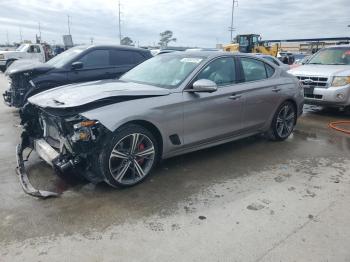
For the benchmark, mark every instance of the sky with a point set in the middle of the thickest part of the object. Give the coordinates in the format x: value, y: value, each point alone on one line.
x: 201, y: 23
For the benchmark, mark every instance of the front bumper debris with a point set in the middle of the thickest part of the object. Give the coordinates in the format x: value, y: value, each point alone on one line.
x: 7, y: 95
x: 23, y: 176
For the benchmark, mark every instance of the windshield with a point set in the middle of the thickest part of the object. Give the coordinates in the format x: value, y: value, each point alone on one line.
x: 21, y: 48
x: 167, y: 71
x: 332, y: 56
x: 63, y: 58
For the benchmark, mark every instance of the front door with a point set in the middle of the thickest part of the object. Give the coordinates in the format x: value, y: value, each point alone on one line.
x: 214, y: 116
x: 96, y: 66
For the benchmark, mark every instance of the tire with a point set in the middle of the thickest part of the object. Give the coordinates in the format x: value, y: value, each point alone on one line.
x: 8, y: 63
x: 124, y: 163
x: 283, y: 122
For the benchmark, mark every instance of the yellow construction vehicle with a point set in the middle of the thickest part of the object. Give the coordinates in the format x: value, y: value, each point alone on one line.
x: 251, y: 43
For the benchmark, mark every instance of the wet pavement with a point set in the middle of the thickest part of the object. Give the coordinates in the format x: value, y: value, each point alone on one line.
x: 249, y: 200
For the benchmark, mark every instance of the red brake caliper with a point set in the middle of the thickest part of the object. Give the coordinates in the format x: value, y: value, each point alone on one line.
x: 141, y: 148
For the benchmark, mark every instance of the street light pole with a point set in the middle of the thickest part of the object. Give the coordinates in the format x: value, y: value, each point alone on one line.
x: 119, y: 25
x: 68, y: 24
x: 231, y: 28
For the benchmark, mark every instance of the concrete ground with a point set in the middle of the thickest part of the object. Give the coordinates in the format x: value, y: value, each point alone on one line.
x: 250, y: 200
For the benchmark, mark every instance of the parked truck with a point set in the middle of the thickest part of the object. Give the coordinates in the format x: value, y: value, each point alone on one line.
x: 34, y: 52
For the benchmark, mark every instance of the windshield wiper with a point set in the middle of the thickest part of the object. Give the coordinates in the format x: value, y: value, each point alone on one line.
x: 315, y: 64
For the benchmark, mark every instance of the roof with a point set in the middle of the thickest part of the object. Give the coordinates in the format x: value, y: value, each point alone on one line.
x: 208, y: 54
x: 120, y: 47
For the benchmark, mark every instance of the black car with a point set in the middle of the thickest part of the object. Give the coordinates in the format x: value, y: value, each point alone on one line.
x: 78, y: 64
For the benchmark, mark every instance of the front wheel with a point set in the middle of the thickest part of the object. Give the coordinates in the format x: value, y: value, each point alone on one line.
x: 8, y: 64
x: 129, y: 157
x: 283, y: 122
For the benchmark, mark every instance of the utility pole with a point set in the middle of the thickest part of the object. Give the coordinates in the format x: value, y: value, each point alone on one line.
x: 231, y: 28
x: 20, y: 35
x: 120, y: 31
x: 39, y: 33
x: 7, y: 37
x: 68, y: 22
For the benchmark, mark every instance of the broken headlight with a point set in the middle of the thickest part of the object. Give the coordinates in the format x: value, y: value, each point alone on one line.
x: 84, y: 130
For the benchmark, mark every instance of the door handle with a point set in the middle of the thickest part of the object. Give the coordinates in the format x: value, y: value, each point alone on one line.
x: 276, y: 89
x: 234, y: 97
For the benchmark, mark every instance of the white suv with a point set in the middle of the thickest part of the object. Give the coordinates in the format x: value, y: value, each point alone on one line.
x: 326, y: 77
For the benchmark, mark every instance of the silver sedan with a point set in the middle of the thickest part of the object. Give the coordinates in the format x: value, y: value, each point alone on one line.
x: 117, y: 130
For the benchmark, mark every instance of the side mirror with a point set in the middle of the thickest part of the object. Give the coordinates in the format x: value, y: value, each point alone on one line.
x: 204, y: 86
x: 77, y: 65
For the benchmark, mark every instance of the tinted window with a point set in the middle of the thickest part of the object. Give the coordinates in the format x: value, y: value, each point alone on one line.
x: 120, y: 57
x: 221, y: 71
x: 96, y: 58
x: 253, y: 69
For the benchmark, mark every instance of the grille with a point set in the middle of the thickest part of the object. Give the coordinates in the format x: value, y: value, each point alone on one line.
x: 313, y: 81
x: 19, y: 81
x: 313, y: 96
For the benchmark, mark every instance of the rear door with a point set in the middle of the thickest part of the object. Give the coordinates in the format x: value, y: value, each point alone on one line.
x: 261, y: 91
x: 217, y: 115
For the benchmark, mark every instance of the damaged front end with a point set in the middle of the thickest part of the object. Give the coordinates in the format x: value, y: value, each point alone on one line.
x: 62, y: 138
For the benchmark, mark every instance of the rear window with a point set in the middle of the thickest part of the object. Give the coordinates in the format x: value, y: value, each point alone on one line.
x: 121, y: 57
x: 272, y: 60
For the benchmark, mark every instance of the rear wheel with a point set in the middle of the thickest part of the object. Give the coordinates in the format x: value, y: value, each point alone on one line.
x: 130, y: 156
x: 283, y: 122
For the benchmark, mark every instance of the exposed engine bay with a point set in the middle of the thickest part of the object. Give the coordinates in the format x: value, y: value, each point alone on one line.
x: 65, y: 140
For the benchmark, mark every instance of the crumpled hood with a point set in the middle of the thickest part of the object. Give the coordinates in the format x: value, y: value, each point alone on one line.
x: 321, y: 70
x: 75, y: 95
x: 24, y: 65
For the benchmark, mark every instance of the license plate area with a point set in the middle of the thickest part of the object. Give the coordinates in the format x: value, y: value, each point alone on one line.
x: 309, y: 90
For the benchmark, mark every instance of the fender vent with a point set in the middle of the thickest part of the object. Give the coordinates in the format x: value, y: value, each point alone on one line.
x: 175, y: 140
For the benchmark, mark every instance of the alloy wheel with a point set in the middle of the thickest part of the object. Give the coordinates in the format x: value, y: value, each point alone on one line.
x: 285, y: 121
x: 132, y: 158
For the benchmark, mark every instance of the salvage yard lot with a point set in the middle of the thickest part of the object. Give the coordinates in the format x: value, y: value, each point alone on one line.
x: 250, y: 200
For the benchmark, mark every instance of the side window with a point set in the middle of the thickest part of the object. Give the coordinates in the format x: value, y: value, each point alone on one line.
x: 120, y: 58
x: 269, y: 70
x: 31, y: 49
x: 96, y: 58
x: 253, y: 69
x: 221, y: 71
x: 37, y: 49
